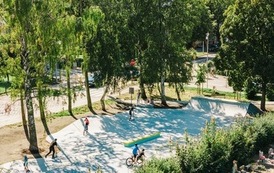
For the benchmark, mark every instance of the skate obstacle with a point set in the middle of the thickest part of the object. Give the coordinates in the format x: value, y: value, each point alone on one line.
x: 222, y: 107
x: 142, y: 139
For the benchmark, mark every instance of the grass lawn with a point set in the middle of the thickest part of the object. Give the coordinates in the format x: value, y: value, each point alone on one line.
x: 200, y: 54
x: 185, y: 95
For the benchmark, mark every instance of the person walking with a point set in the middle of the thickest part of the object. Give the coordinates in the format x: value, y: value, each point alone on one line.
x: 26, y: 163
x: 86, y: 123
x: 235, y: 167
x: 138, y: 96
x: 52, y: 148
x: 131, y: 113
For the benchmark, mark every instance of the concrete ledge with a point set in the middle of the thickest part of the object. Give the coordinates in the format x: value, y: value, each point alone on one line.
x: 142, y: 139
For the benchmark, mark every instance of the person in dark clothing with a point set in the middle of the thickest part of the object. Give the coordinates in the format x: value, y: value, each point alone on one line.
x: 52, y: 149
x: 138, y: 96
x: 131, y: 113
x: 140, y: 155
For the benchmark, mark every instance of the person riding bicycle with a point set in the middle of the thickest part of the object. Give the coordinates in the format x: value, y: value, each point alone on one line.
x: 140, y: 155
x: 135, y: 151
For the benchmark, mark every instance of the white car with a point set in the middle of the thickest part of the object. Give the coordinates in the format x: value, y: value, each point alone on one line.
x: 91, y: 83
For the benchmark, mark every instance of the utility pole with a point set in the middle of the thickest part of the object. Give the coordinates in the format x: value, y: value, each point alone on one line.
x: 207, y: 38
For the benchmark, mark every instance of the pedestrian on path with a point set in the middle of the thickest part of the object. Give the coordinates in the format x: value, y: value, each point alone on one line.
x: 235, y: 167
x: 86, y: 123
x: 26, y: 163
x: 138, y: 96
x: 52, y: 148
x: 131, y: 114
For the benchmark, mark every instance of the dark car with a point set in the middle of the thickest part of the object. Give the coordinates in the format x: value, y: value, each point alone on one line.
x: 213, y: 48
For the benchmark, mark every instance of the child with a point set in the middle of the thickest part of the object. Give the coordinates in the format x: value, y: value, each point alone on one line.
x: 86, y: 123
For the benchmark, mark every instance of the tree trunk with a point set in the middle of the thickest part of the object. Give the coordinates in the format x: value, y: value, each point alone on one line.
x: 102, y: 100
x: 24, y: 120
x: 177, y: 92
x: 26, y: 63
x: 162, y: 89
x: 263, y: 96
x: 31, y: 121
x: 141, y: 84
x: 42, y: 109
x: 69, y: 91
x: 88, y: 92
x: 143, y: 91
x: 8, y: 78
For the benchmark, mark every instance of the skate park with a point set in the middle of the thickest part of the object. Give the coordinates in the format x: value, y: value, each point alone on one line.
x: 104, y: 146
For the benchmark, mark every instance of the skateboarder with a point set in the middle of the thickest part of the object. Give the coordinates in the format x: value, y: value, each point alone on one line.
x: 131, y: 114
x: 52, y: 148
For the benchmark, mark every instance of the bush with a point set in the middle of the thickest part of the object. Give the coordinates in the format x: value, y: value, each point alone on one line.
x: 216, y: 148
x: 251, y: 88
x: 263, y: 131
x: 170, y: 165
x: 270, y: 92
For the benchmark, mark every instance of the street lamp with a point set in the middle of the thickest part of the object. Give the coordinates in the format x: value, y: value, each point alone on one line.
x: 207, y: 36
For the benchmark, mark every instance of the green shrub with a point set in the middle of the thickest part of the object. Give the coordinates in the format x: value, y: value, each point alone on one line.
x: 263, y: 131
x: 270, y: 92
x: 241, y: 144
x: 216, y: 148
x: 170, y: 165
x: 209, y: 154
x: 251, y: 88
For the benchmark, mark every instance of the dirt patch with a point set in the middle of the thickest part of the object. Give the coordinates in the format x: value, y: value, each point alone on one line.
x: 14, y: 143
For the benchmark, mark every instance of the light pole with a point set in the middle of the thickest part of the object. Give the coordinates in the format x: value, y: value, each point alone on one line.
x: 207, y: 36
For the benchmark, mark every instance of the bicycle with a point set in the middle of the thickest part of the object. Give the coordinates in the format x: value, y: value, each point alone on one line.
x: 130, y: 161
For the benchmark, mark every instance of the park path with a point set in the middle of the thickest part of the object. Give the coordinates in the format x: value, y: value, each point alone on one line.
x: 10, y: 111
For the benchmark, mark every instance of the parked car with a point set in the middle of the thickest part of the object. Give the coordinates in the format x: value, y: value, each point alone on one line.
x: 91, y: 82
x: 213, y: 48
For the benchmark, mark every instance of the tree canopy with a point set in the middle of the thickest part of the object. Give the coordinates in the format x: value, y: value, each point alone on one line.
x: 247, y: 36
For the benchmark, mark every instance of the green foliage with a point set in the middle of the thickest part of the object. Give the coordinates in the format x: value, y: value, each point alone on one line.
x: 251, y: 88
x: 210, y: 154
x: 160, y: 166
x: 216, y: 148
x: 216, y: 8
x: 270, y: 92
x: 4, y: 86
x: 247, y: 43
x: 263, y: 131
x: 201, y: 74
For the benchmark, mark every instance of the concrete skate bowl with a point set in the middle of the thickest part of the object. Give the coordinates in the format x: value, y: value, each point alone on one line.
x: 223, y: 107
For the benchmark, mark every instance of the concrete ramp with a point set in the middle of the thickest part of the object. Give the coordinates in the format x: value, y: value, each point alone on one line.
x: 223, y: 107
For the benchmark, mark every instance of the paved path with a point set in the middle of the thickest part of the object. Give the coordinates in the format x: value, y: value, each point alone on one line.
x: 10, y: 111
x: 59, y: 103
x: 54, y: 104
